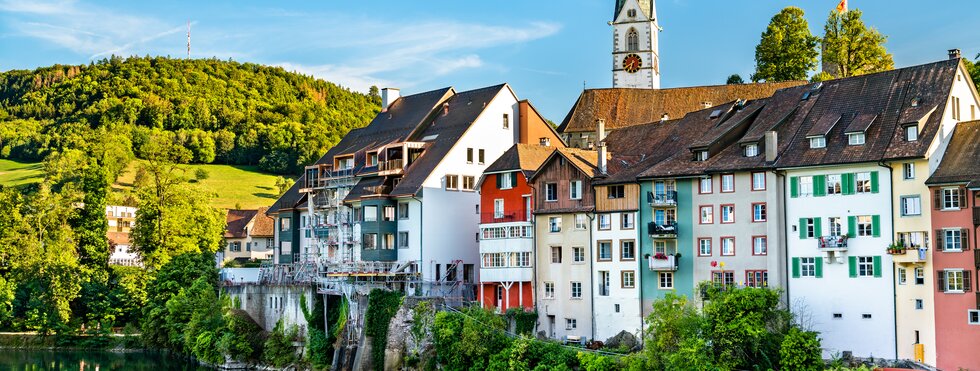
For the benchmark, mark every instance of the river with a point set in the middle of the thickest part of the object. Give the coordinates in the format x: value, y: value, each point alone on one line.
x: 16, y: 360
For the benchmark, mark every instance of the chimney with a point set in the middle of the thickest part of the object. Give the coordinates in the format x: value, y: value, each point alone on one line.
x: 706, y: 104
x: 954, y: 53
x: 545, y: 141
x: 664, y: 117
x: 600, y: 141
x: 389, y: 96
x: 445, y: 108
x: 771, y: 146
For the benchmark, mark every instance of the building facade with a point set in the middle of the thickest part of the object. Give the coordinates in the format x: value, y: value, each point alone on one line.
x: 636, y: 56
x: 249, y: 235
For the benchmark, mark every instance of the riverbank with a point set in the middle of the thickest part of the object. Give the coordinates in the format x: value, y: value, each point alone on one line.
x: 32, y: 340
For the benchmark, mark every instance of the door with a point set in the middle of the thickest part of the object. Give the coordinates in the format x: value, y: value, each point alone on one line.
x: 500, y: 297
x: 551, y: 327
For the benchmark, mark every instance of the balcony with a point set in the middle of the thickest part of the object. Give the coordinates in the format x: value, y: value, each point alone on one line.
x: 663, y: 263
x: 505, y: 217
x: 666, y: 230
x: 321, y: 231
x: 391, y: 167
x: 668, y: 198
x: 378, y: 189
x: 832, y: 243
x: 909, y: 255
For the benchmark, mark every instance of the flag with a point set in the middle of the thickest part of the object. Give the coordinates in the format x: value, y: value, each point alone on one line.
x: 842, y: 7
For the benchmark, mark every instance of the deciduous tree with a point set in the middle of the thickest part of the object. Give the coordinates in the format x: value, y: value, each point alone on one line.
x: 787, y: 50
x: 850, y: 48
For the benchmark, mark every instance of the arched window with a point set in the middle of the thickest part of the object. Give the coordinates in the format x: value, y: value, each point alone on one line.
x: 632, y: 40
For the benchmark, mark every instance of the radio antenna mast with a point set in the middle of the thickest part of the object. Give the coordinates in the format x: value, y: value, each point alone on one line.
x: 188, y: 39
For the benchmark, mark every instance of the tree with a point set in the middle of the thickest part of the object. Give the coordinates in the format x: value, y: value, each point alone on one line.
x: 973, y: 67
x: 800, y: 350
x: 787, y: 50
x: 734, y: 79
x: 283, y: 184
x: 850, y: 48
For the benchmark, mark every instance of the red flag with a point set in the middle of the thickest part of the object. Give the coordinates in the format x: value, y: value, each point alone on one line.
x: 842, y: 7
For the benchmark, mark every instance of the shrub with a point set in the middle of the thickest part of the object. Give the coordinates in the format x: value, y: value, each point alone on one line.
x: 382, y: 305
x: 800, y: 350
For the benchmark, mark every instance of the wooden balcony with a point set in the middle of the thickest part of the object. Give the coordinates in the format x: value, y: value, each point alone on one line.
x: 391, y: 167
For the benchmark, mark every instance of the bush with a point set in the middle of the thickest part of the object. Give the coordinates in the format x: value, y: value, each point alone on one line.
x: 800, y: 351
x: 201, y: 174
x: 279, y: 351
x: 382, y: 305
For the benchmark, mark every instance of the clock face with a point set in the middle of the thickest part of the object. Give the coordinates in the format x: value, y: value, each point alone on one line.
x: 632, y: 63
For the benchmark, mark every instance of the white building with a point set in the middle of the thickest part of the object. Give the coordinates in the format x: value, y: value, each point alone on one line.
x: 636, y: 57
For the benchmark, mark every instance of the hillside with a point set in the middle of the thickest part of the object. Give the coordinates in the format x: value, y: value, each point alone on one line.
x: 233, y: 185
x: 14, y: 173
x: 225, y: 112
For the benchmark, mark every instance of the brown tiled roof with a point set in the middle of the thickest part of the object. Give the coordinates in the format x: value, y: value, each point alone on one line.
x: 636, y: 148
x: 262, y: 224
x: 961, y: 162
x: 622, y: 107
x: 235, y: 222
x: 584, y: 160
x: 526, y: 157
x: 680, y: 163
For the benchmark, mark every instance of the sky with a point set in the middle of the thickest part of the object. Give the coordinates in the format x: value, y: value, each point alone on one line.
x: 546, y: 50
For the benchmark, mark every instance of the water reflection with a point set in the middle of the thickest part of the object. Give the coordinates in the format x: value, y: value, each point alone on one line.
x: 31, y: 360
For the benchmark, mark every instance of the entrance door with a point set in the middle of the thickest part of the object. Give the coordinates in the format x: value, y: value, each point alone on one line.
x: 500, y: 298
x: 551, y: 327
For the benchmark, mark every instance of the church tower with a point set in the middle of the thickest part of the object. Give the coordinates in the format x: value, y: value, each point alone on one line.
x: 636, y: 59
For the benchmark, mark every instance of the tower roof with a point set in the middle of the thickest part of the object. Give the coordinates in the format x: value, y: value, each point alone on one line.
x: 647, y: 6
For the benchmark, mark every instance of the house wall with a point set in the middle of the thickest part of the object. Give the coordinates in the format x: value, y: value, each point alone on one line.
x: 562, y: 172
x: 553, y: 311
x: 683, y: 278
x: 620, y: 309
x: 533, y: 127
x: 816, y: 299
x: 268, y: 304
x: 380, y: 227
x: 518, y: 295
x: 514, y: 207
x: 629, y: 202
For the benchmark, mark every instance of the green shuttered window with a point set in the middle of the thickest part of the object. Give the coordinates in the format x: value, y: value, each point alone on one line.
x: 818, y: 267
x: 874, y: 182
x: 847, y: 183
x: 819, y: 185
x: 852, y: 266
x: 852, y: 226
x: 876, y: 226
x: 877, y: 265
x: 794, y: 187
x: 796, y: 267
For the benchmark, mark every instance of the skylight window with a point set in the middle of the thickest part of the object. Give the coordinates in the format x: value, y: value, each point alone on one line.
x: 430, y: 137
x: 715, y: 114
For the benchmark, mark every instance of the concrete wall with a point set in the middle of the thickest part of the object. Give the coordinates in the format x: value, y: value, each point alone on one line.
x: 268, y: 304
x: 619, y: 310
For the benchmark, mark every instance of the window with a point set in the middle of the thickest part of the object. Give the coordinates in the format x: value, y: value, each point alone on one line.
x: 973, y: 317
x: 920, y: 276
x: 756, y: 278
x: 551, y: 192
x: 818, y: 142
x: 604, y: 251
x: 403, y: 240
x: 576, y: 290
x: 806, y: 185
x: 372, y: 158
x: 728, y: 246
x: 549, y: 290
x: 707, y: 214
x: 834, y: 186
x: 628, y: 221
x: 701, y: 156
x: 388, y: 241
x: 758, y: 181
x: 575, y: 190
x: 605, y: 222
x: 403, y: 210
x: 632, y: 40
x: 469, y: 182
x: 616, y: 191
x: 911, y: 205
x: 452, y: 182
x: 578, y: 254
x: 704, y: 247
x: 902, y: 276
x: 666, y: 280
x: 955, y: 101
x: 866, y: 316
x: 918, y: 304
x: 506, y: 121
x: 556, y: 254
x: 480, y: 156
x: 751, y: 150
x: 571, y: 324
x: 864, y: 225
x: 952, y: 239
x: 862, y: 182
x: 953, y: 280
x: 469, y: 155
x: 554, y: 224
x: 603, y: 283
x: 838, y: 315
x: 628, y: 279
x: 706, y: 186
x: 760, y: 245
x: 809, y: 228
x: 284, y: 224
x: 855, y: 139
x: 728, y: 213
x: 727, y: 183
x: 369, y: 241
x: 505, y: 180
x: 908, y: 170
x: 389, y: 213
x: 911, y: 133
x: 835, y: 226
x: 370, y: 213
x: 808, y: 267
x: 627, y: 250
x: 498, y: 208
x: 950, y: 198
x: 581, y: 222
x: 865, y: 266
x: 759, y: 212
x: 724, y: 278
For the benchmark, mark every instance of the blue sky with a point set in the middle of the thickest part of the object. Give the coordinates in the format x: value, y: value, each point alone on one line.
x: 545, y: 49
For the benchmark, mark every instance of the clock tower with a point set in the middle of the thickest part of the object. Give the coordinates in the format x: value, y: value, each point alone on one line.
x: 636, y: 60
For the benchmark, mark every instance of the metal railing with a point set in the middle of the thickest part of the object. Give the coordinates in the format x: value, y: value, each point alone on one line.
x: 666, y: 229
x: 832, y: 242
x: 505, y: 217
x: 660, y: 199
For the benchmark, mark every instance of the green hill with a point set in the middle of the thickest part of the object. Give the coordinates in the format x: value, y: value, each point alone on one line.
x: 13, y: 173
x: 225, y: 112
x: 233, y: 185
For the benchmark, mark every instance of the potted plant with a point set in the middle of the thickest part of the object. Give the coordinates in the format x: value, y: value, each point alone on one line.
x: 894, y: 249
x: 660, y: 256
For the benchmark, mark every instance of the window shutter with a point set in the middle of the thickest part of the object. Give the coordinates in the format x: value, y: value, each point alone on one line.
x: 649, y: 197
x: 513, y: 179
x: 874, y: 182
x: 817, y: 226
x: 852, y: 226
x: 803, y: 228
x: 937, y: 199
x: 940, y: 238
x: 877, y: 264
x: 876, y: 225
x: 794, y: 187
x: 962, y: 197
x: 847, y: 183
x: 818, y: 267
x: 965, y: 239
x: 852, y: 266
x: 796, y: 267
x: 966, y: 281
x: 819, y: 185
x: 499, y: 182
x: 941, y: 281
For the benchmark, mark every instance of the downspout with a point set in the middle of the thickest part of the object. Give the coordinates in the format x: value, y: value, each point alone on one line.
x: 534, y: 252
x: 639, y: 256
x: 891, y: 200
x: 591, y: 268
x: 785, y: 235
x: 421, y: 245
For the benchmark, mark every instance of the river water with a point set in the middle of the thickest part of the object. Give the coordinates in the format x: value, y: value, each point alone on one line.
x: 31, y: 360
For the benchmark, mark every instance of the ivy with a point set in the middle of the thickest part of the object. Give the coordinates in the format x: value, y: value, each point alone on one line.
x: 382, y: 306
x: 524, y: 320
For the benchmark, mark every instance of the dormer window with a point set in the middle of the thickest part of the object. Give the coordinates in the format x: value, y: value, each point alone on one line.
x: 911, y: 133
x: 818, y: 142
x: 855, y: 139
x: 372, y: 159
x: 751, y: 150
x: 915, y: 102
x: 700, y: 155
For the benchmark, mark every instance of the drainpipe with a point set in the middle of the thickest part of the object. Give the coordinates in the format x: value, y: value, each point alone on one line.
x: 639, y: 255
x: 785, y: 235
x: 421, y: 245
x: 534, y: 253
x: 591, y: 267
x: 891, y: 200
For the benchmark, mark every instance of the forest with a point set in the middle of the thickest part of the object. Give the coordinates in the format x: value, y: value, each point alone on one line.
x: 223, y: 112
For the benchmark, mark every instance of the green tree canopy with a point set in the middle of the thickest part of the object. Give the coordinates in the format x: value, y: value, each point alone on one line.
x: 850, y: 48
x: 787, y: 50
x: 734, y: 79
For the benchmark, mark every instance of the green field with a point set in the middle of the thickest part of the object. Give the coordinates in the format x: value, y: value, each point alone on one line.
x: 13, y: 173
x: 233, y: 184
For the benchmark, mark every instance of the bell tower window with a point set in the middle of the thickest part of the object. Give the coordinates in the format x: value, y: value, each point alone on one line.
x: 632, y: 40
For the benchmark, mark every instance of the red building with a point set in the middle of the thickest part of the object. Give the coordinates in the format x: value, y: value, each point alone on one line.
x: 956, y: 199
x: 506, y: 233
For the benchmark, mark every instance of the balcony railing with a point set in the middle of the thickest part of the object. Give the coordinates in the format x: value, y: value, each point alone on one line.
x: 505, y: 217
x: 663, y: 263
x: 378, y: 189
x: 665, y: 230
x: 832, y: 243
x: 391, y: 167
x: 662, y: 199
